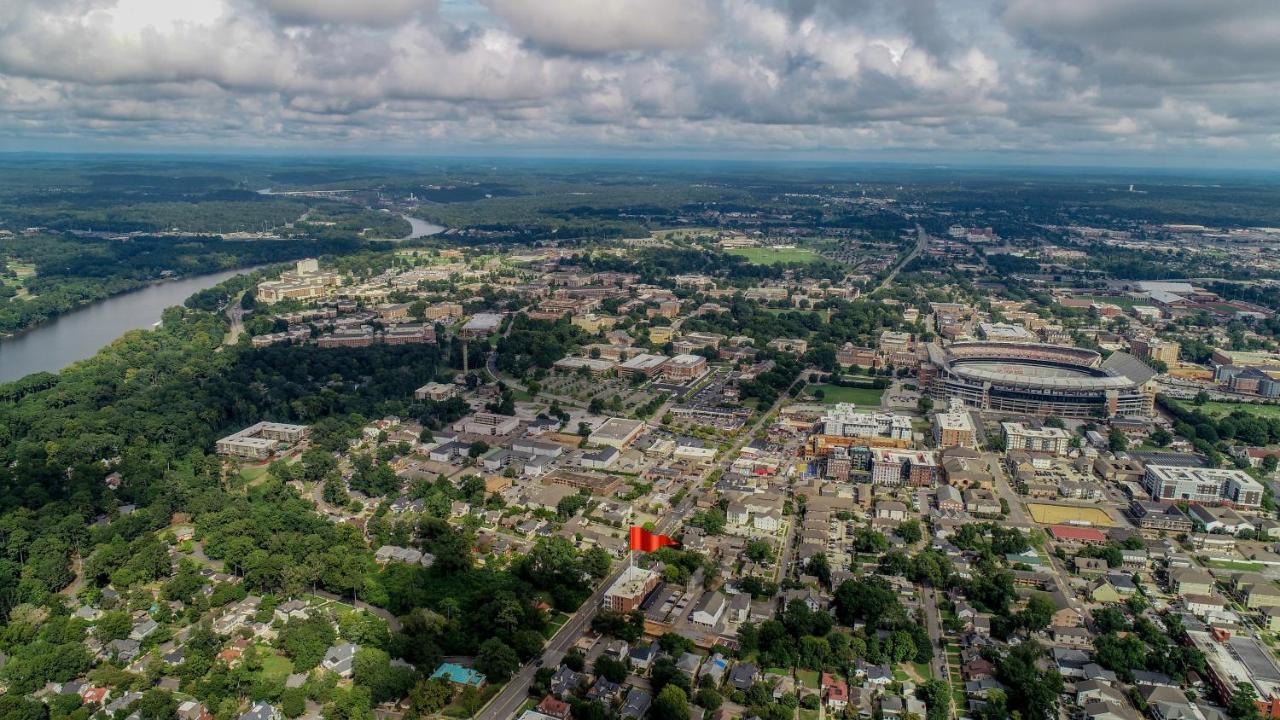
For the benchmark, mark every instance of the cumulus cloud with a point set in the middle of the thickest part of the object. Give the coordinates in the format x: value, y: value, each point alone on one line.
x: 375, y: 13
x: 595, y: 26
x: 1096, y: 76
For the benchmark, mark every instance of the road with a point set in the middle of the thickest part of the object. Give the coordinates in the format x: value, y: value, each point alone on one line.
x: 508, y: 700
x: 934, y: 626
x: 922, y: 241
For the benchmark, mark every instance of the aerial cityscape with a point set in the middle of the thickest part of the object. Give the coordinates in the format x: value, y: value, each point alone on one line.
x: 720, y: 360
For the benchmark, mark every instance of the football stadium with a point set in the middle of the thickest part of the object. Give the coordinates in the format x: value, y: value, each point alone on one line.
x: 1035, y: 379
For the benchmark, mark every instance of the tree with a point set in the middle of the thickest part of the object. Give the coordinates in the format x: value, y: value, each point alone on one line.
x: 497, y: 660
x: 611, y: 669
x: 293, y: 702
x: 1161, y: 437
x: 1244, y: 703
x: 759, y: 551
x: 113, y: 625
x: 910, y: 532
x: 672, y: 703
x: 709, y: 699
x: 430, y: 696
x: 1117, y: 440
x: 1032, y: 691
x: 158, y: 705
x: 924, y: 404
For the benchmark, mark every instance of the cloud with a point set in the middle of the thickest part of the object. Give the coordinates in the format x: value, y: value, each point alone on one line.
x: 597, y: 26
x: 373, y: 13
x: 1136, y: 77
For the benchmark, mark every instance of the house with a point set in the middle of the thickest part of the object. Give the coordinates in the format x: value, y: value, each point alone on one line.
x: 642, y: 656
x: 565, y: 681
x: 261, y: 711
x: 1194, y: 581
x: 688, y: 664
x: 636, y: 705
x: 191, y: 710
x: 340, y: 659
x: 605, y: 690
x: 715, y: 668
x: 709, y: 609
x: 551, y: 706
x: 835, y: 693
x: 143, y: 628
x: 743, y: 675
x: 291, y: 610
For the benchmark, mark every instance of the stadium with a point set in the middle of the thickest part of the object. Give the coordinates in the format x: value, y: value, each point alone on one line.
x: 1034, y: 379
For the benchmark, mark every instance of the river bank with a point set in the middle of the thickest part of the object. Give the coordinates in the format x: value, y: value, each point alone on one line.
x: 80, y: 333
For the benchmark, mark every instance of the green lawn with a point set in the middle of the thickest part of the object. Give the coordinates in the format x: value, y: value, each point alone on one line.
x: 1218, y: 409
x: 1236, y: 565
x: 923, y: 670
x: 252, y: 474
x: 775, y: 256
x: 808, y: 714
x: 276, y: 666
x: 863, y: 397
x: 808, y: 678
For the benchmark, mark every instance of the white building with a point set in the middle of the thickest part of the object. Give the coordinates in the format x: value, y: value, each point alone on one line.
x: 844, y: 420
x: 1018, y: 436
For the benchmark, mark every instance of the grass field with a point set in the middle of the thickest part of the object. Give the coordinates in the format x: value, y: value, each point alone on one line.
x: 1218, y: 409
x: 808, y: 678
x: 1055, y: 514
x: 276, y: 666
x: 775, y: 256
x: 1236, y: 565
x: 863, y: 397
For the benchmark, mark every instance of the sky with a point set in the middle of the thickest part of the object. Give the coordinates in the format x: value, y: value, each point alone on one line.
x: 1184, y: 82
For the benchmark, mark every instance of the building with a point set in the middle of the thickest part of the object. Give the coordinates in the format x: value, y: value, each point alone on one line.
x: 1159, y: 517
x: 484, y: 423
x: 894, y: 467
x: 1039, y: 380
x: 1152, y: 348
x: 844, y: 420
x: 1018, y: 436
x: 954, y: 428
x: 630, y: 589
x: 261, y: 440
x: 709, y: 609
x: 439, y: 392
x: 1231, y: 660
x: 617, y: 432
x: 1169, y: 483
x: 1074, y: 535
x: 644, y: 364
x: 480, y: 325
x: 684, y: 367
x: 305, y: 282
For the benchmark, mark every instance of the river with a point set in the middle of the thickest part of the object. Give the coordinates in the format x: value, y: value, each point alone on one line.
x: 420, y: 228
x: 79, y: 334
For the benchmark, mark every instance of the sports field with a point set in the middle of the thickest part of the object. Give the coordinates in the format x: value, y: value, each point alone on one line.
x: 868, y: 398
x: 776, y: 256
x: 1046, y: 514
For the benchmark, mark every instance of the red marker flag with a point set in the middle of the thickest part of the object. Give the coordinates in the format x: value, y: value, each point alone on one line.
x: 645, y: 541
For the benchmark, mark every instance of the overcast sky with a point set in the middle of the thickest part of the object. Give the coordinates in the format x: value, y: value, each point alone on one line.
x: 1192, y: 82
